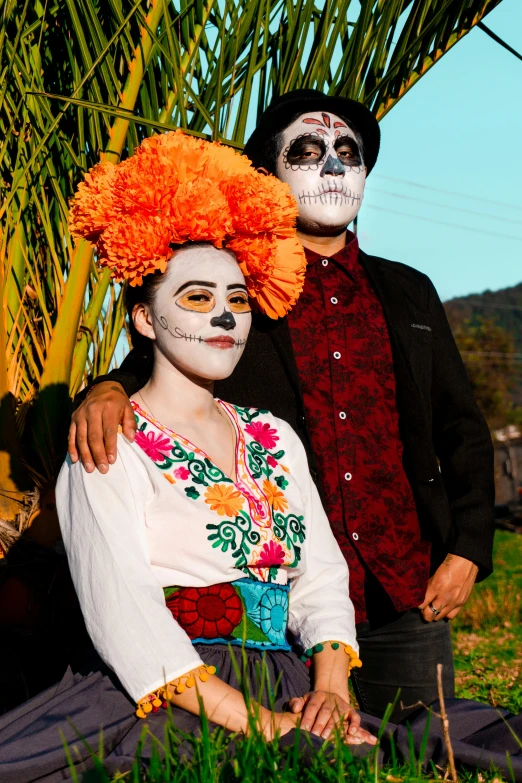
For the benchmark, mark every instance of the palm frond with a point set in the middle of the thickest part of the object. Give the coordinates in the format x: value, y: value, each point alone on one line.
x: 85, y: 80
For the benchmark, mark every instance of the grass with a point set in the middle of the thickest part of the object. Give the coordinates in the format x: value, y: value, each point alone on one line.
x: 487, y: 635
x: 488, y: 661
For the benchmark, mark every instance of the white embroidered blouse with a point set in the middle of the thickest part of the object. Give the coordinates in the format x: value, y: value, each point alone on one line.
x: 165, y: 515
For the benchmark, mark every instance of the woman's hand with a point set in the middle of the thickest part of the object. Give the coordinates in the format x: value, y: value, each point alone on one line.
x: 322, y: 711
x: 94, y: 427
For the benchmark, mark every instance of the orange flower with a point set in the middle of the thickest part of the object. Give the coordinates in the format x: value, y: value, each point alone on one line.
x: 92, y: 209
x: 201, y: 213
x: 135, y: 246
x: 177, y: 188
x: 224, y: 499
x: 274, y: 496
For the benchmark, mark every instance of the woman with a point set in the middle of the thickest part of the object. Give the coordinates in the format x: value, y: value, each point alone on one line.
x: 208, y: 532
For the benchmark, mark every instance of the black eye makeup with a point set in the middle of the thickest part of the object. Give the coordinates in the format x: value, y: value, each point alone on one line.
x: 348, y: 151
x: 306, y: 150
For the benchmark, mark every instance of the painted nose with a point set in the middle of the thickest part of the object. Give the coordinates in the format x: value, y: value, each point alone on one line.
x: 332, y: 166
x: 226, y: 320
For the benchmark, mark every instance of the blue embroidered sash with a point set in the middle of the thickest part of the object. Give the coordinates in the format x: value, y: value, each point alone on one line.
x: 242, y: 612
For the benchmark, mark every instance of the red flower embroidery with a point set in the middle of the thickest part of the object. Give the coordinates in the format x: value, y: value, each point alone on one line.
x: 207, y: 612
x: 263, y: 433
x: 182, y: 473
x: 271, y: 461
x: 154, y: 446
x: 272, y: 554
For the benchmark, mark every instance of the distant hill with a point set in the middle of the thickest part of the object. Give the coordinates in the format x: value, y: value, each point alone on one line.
x: 504, y: 307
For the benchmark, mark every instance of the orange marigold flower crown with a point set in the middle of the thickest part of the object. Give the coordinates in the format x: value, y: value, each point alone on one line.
x: 177, y: 189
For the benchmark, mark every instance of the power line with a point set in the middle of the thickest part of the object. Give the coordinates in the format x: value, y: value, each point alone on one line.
x: 498, y: 40
x: 446, y: 206
x: 448, y: 192
x: 446, y: 223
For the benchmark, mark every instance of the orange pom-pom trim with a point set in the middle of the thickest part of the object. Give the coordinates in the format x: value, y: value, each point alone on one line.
x: 178, y: 189
x: 153, y: 701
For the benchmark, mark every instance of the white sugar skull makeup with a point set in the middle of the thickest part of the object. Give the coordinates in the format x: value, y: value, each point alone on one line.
x: 200, y: 316
x: 322, y: 162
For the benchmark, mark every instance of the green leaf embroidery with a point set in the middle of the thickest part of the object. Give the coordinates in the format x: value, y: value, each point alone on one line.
x: 192, y: 492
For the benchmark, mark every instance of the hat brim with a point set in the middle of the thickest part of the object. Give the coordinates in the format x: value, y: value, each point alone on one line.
x: 278, y: 116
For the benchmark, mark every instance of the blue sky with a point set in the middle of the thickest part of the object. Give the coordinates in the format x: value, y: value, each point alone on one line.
x: 458, y: 131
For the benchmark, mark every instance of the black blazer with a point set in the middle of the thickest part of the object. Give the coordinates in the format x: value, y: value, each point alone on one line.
x: 448, y: 454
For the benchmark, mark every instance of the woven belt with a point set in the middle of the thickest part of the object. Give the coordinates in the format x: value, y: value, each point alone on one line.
x: 242, y: 612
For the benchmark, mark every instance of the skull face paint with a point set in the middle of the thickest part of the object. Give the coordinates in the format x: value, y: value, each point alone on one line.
x: 200, y: 316
x: 322, y: 163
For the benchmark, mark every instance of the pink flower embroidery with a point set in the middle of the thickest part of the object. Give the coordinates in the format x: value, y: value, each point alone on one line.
x: 263, y: 433
x: 272, y: 462
x: 182, y: 473
x: 154, y: 446
x: 272, y: 555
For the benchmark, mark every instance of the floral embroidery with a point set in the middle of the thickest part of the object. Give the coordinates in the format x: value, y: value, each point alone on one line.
x: 238, y: 535
x: 273, y: 614
x: 224, y: 500
x: 241, y: 612
x: 207, y: 612
x: 254, y: 528
x: 263, y: 434
x: 274, y: 496
x: 154, y: 446
x: 272, y: 554
x: 290, y: 530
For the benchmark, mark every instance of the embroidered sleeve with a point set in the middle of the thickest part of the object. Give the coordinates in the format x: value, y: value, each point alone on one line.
x: 355, y: 661
x: 159, y: 698
x: 102, y: 523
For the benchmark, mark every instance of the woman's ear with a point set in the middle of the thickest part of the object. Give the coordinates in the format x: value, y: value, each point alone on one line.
x: 142, y: 318
x: 262, y: 170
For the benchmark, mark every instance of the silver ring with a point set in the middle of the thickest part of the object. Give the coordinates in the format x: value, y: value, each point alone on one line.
x: 435, y: 611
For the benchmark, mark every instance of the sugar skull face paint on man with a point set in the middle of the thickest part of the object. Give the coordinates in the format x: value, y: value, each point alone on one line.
x: 200, y: 317
x: 323, y: 164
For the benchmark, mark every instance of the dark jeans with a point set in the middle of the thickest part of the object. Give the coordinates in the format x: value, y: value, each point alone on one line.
x: 402, y: 652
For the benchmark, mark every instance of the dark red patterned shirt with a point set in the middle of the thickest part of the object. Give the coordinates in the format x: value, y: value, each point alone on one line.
x: 344, y: 359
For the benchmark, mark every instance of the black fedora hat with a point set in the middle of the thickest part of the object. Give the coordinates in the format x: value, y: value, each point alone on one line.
x: 280, y: 112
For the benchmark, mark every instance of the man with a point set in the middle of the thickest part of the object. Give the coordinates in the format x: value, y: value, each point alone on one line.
x: 366, y: 370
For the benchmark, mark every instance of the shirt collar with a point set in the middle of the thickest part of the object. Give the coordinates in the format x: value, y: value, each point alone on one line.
x: 347, y: 257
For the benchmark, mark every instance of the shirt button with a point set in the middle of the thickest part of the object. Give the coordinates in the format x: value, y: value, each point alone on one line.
x: 342, y: 415
x: 355, y: 536
x: 337, y: 355
x: 324, y: 262
x: 333, y: 300
x: 348, y: 476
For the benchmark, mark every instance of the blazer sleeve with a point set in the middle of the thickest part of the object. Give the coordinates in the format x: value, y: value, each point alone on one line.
x: 463, y: 445
x: 133, y: 374
x: 102, y: 519
x: 320, y: 606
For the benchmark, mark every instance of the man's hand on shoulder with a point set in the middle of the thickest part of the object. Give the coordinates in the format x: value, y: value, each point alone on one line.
x: 94, y: 426
x: 449, y: 588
